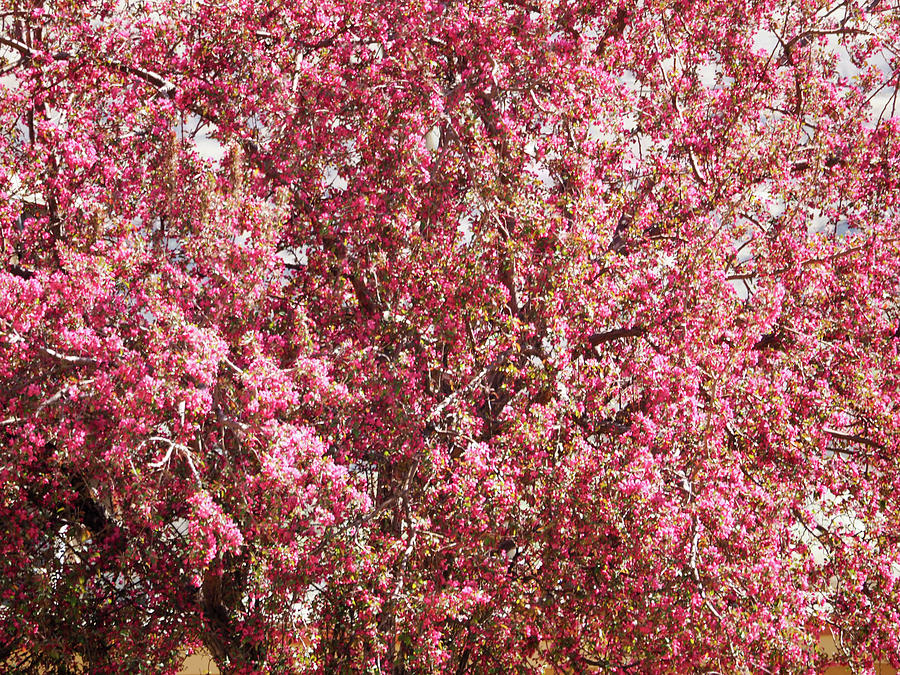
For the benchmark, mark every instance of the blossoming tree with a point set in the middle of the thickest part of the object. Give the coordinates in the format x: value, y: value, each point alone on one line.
x: 448, y: 337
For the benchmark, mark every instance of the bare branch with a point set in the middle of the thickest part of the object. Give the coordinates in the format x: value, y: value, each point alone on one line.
x: 854, y: 438
x: 616, y: 334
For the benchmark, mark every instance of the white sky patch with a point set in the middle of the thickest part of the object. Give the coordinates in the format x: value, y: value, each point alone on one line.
x: 333, y: 180
x: 208, y: 147
x: 765, y: 41
x: 708, y: 75
x: 465, y: 228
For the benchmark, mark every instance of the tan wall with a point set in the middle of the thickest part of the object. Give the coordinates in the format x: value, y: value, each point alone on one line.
x: 198, y: 664
x: 202, y: 664
x: 826, y: 644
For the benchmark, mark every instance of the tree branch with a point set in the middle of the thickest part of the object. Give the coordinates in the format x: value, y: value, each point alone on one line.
x: 598, y: 339
x: 854, y: 438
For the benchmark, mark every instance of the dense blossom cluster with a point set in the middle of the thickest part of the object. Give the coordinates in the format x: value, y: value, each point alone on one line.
x: 441, y: 336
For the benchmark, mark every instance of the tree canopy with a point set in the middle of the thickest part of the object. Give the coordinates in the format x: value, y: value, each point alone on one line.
x: 441, y: 336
